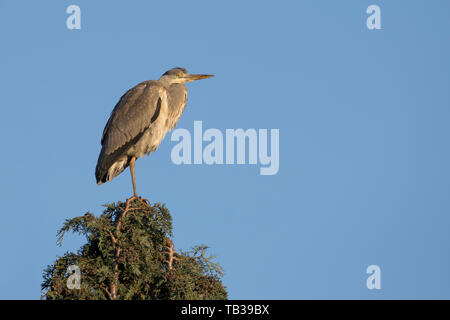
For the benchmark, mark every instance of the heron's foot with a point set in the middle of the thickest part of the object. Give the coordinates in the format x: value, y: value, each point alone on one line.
x: 140, y: 199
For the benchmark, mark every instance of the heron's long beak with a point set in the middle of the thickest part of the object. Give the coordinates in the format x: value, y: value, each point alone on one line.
x: 193, y: 77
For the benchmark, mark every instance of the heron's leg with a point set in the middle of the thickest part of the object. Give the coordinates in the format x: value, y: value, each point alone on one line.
x: 132, y: 161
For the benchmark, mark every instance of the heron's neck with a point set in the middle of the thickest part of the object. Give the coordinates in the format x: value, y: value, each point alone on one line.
x: 177, y: 95
x: 167, y: 81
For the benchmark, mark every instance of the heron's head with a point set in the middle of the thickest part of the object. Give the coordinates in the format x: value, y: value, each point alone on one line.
x: 180, y: 75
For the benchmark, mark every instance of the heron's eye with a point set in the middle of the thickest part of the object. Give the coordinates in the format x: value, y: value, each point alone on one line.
x: 179, y: 75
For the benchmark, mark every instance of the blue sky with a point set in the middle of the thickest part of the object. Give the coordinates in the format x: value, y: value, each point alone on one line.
x: 364, y: 138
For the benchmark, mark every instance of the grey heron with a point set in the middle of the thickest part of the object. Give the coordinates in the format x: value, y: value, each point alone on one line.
x: 140, y: 120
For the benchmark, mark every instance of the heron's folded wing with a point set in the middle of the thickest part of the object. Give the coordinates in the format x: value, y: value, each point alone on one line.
x: 132, y: 115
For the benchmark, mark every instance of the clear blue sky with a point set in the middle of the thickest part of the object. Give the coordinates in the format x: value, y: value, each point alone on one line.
x: 364, y: 138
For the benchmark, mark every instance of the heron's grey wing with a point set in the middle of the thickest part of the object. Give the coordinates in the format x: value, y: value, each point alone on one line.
x: 132, y: 115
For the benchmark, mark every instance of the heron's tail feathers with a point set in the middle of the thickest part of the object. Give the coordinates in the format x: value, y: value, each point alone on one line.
x: 110, y: 173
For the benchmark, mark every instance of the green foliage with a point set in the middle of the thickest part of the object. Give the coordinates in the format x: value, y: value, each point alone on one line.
x: 128, y: 255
